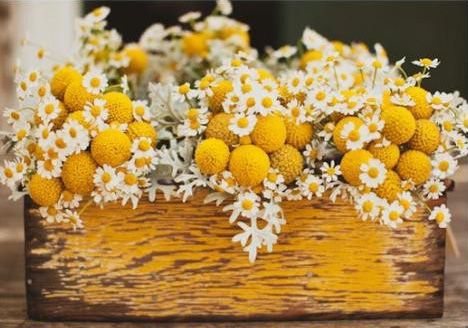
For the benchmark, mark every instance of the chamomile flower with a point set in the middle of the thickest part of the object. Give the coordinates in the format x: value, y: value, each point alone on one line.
x: 438, y: 100
x: 401, y: 99
x: 273, y: 179
x: 285, y: 51
x: 106, y: 178
x: 374, y: 125
x: 141, y: 111
x: 96, y: 112
x: 95, y: 81
x: 247, y: 205
x: 399, y: 84
x: 129, y: 188
x: 70, y: 200
x: 407, y: 202
x: 319, y: 97
x: 190, y: 17
x: 296, y: 111
x: 50, y: 168
x: 433, y: 189
x: 330, y: 171
x: 49, y: 109
x: 441, y: 215
x: 426, y: 63
x: 73, y: 218
x: 372, y: 173
x: 76, y: 134
x: 392, y: 215
x: 356, y: 137
x: 224, y: 7
x: 21, y: 132
x: 97, y: 15
x: 9, y: 175
x: 228, y: 183
x: 314, y: 152
x: 52, y: 213
x: 242, y: 125
x: 44, y: 135
x: 313, y: 40
x: 312, y: 186
x: 368, y: 206
x: 14, y: 116
x: 327, y: 133
x: 443, y: 165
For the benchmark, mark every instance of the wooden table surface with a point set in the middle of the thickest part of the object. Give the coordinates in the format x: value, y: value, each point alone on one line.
x: 12, y: 289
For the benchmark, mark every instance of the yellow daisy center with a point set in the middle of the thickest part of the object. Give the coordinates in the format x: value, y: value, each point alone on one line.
x: 144, y: 145
x: 373, y: 172
x: 440, y: 217
x: 393, y: 215
x: 95, y: 82
x: 247, y: 204
x: 49, y: 109
x: 130, y: 179
x: 8, y: 172
x: 367, y: 206
x: 243, y: 122
x: 313, y: 187
x: 443, y: 166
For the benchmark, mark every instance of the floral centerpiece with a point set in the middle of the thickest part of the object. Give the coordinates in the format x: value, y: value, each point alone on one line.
x: 196, y: 107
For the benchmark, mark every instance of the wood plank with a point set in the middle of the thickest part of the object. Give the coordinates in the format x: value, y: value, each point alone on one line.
x: 172, y: 261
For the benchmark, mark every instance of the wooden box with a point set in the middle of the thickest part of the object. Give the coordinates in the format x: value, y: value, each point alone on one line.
x: 176, y: 262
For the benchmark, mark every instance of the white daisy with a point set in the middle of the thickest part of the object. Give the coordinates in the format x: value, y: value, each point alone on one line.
x: 95, y: 81
x: 327, y: 133
x: 141, y: 111
x: 312, y: 186
x: 52, y: 213
x: 296, y: 111
x: 441, y: 215
x: 96, y: 113
x: 401, y: 99
x: 330, y: 171
x: 106, y: 178
x: 48, y: 109
x: 246, y: 205
x: 356, y: 137
x: 76, y: 134
x: 439, y: 100
x: 97, y: 15
x: 374, y: 124
x: 392, y: 215
x: 443, y: 165
x: 73, y: 218
x: 70, y: 200
x: 44, y: 135
x: 284, y: 52
x: 314, y: 152
x: 242, y: 125
x: 190, y: 17
x: 368, y: 206
x: 273, y: 179
x: 426, y: 63
x: 407, y: 202
x: 433, y: 188
x: 372, y: 173
x: 49, y: 168
x: 224, y: 7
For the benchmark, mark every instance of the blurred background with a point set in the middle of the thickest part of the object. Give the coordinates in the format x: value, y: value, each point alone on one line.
x: 434, y: 29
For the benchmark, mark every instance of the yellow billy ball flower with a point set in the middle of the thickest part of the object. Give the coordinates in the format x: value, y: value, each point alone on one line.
x: 62, y: 116
x: 311, y: 55
x: 44, y: 192
x: 386, y: 102
x: 390, y: 188
x: 78, y: 172
x: 420, y: 109
x: 298, y: 135
x: 399, y: 124
x: 78, y: 116
x: 111, y: 147
x: 138, y: 59
x: 388, y: 155
x: 351, y: 165
x: 241, y: 34
x: 269, y: 133
x: 339, y: 141
x: 142, y: 129
x: 426, y: 138
x: 195, y: 44
x: 76, y: 96
x: 119, y: 106
x: 289, y: 162
x: 414, y: 165
x: 212, y: 156
x: 249, y: 165
x: 218, y: 127
x: 61, y: 79
x: 219, y: 95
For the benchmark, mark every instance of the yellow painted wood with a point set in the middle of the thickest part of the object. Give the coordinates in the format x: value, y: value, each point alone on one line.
x: 177, y: 261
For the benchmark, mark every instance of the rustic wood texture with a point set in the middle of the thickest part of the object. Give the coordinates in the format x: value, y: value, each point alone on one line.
x: 173, y: 261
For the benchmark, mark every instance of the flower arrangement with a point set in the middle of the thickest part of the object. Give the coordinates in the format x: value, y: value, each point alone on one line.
x: 320, y: 119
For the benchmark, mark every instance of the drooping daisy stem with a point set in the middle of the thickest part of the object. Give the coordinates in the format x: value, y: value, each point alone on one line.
x: 88, y: 204
x: 336, y: 77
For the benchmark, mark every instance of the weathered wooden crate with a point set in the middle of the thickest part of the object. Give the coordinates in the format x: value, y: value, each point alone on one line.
x: 175, y: 261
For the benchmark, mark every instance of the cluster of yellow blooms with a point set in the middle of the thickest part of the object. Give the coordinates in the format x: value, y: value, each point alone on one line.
x: 77, y: 134
x: 322, y: 118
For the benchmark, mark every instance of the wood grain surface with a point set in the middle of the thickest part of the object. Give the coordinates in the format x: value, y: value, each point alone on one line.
x: 173, y: 261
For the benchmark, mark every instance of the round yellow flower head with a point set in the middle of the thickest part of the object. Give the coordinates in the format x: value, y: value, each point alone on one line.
x: 311, y: 55
x: 62, y: 116
x: 340, y: 142
x: 219, y: 95
x: 421, y: 108
x: 289, y: 162
x: 119, y: 106
x: 351, y: 165
x: 44, y: 192
x: 399, y: 124
x: 269, y: 133
x: 195, y: 44
x: 212, y: 156
x: 61, y: 79
x: 78, y: 172
x: 111, y: 147
x: 426, y: 138
x: 414, y: 165
x: 245, y: 140
x: 298, y: 135
x: 138, y: 59
x: 388, y: 155
x: 218, y: 127
x: 76, y: 96
x: 78, y: 116
x: 390, y: 188
x: 142, y: 129
x: 386, y: 102
x: 249, y: 165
